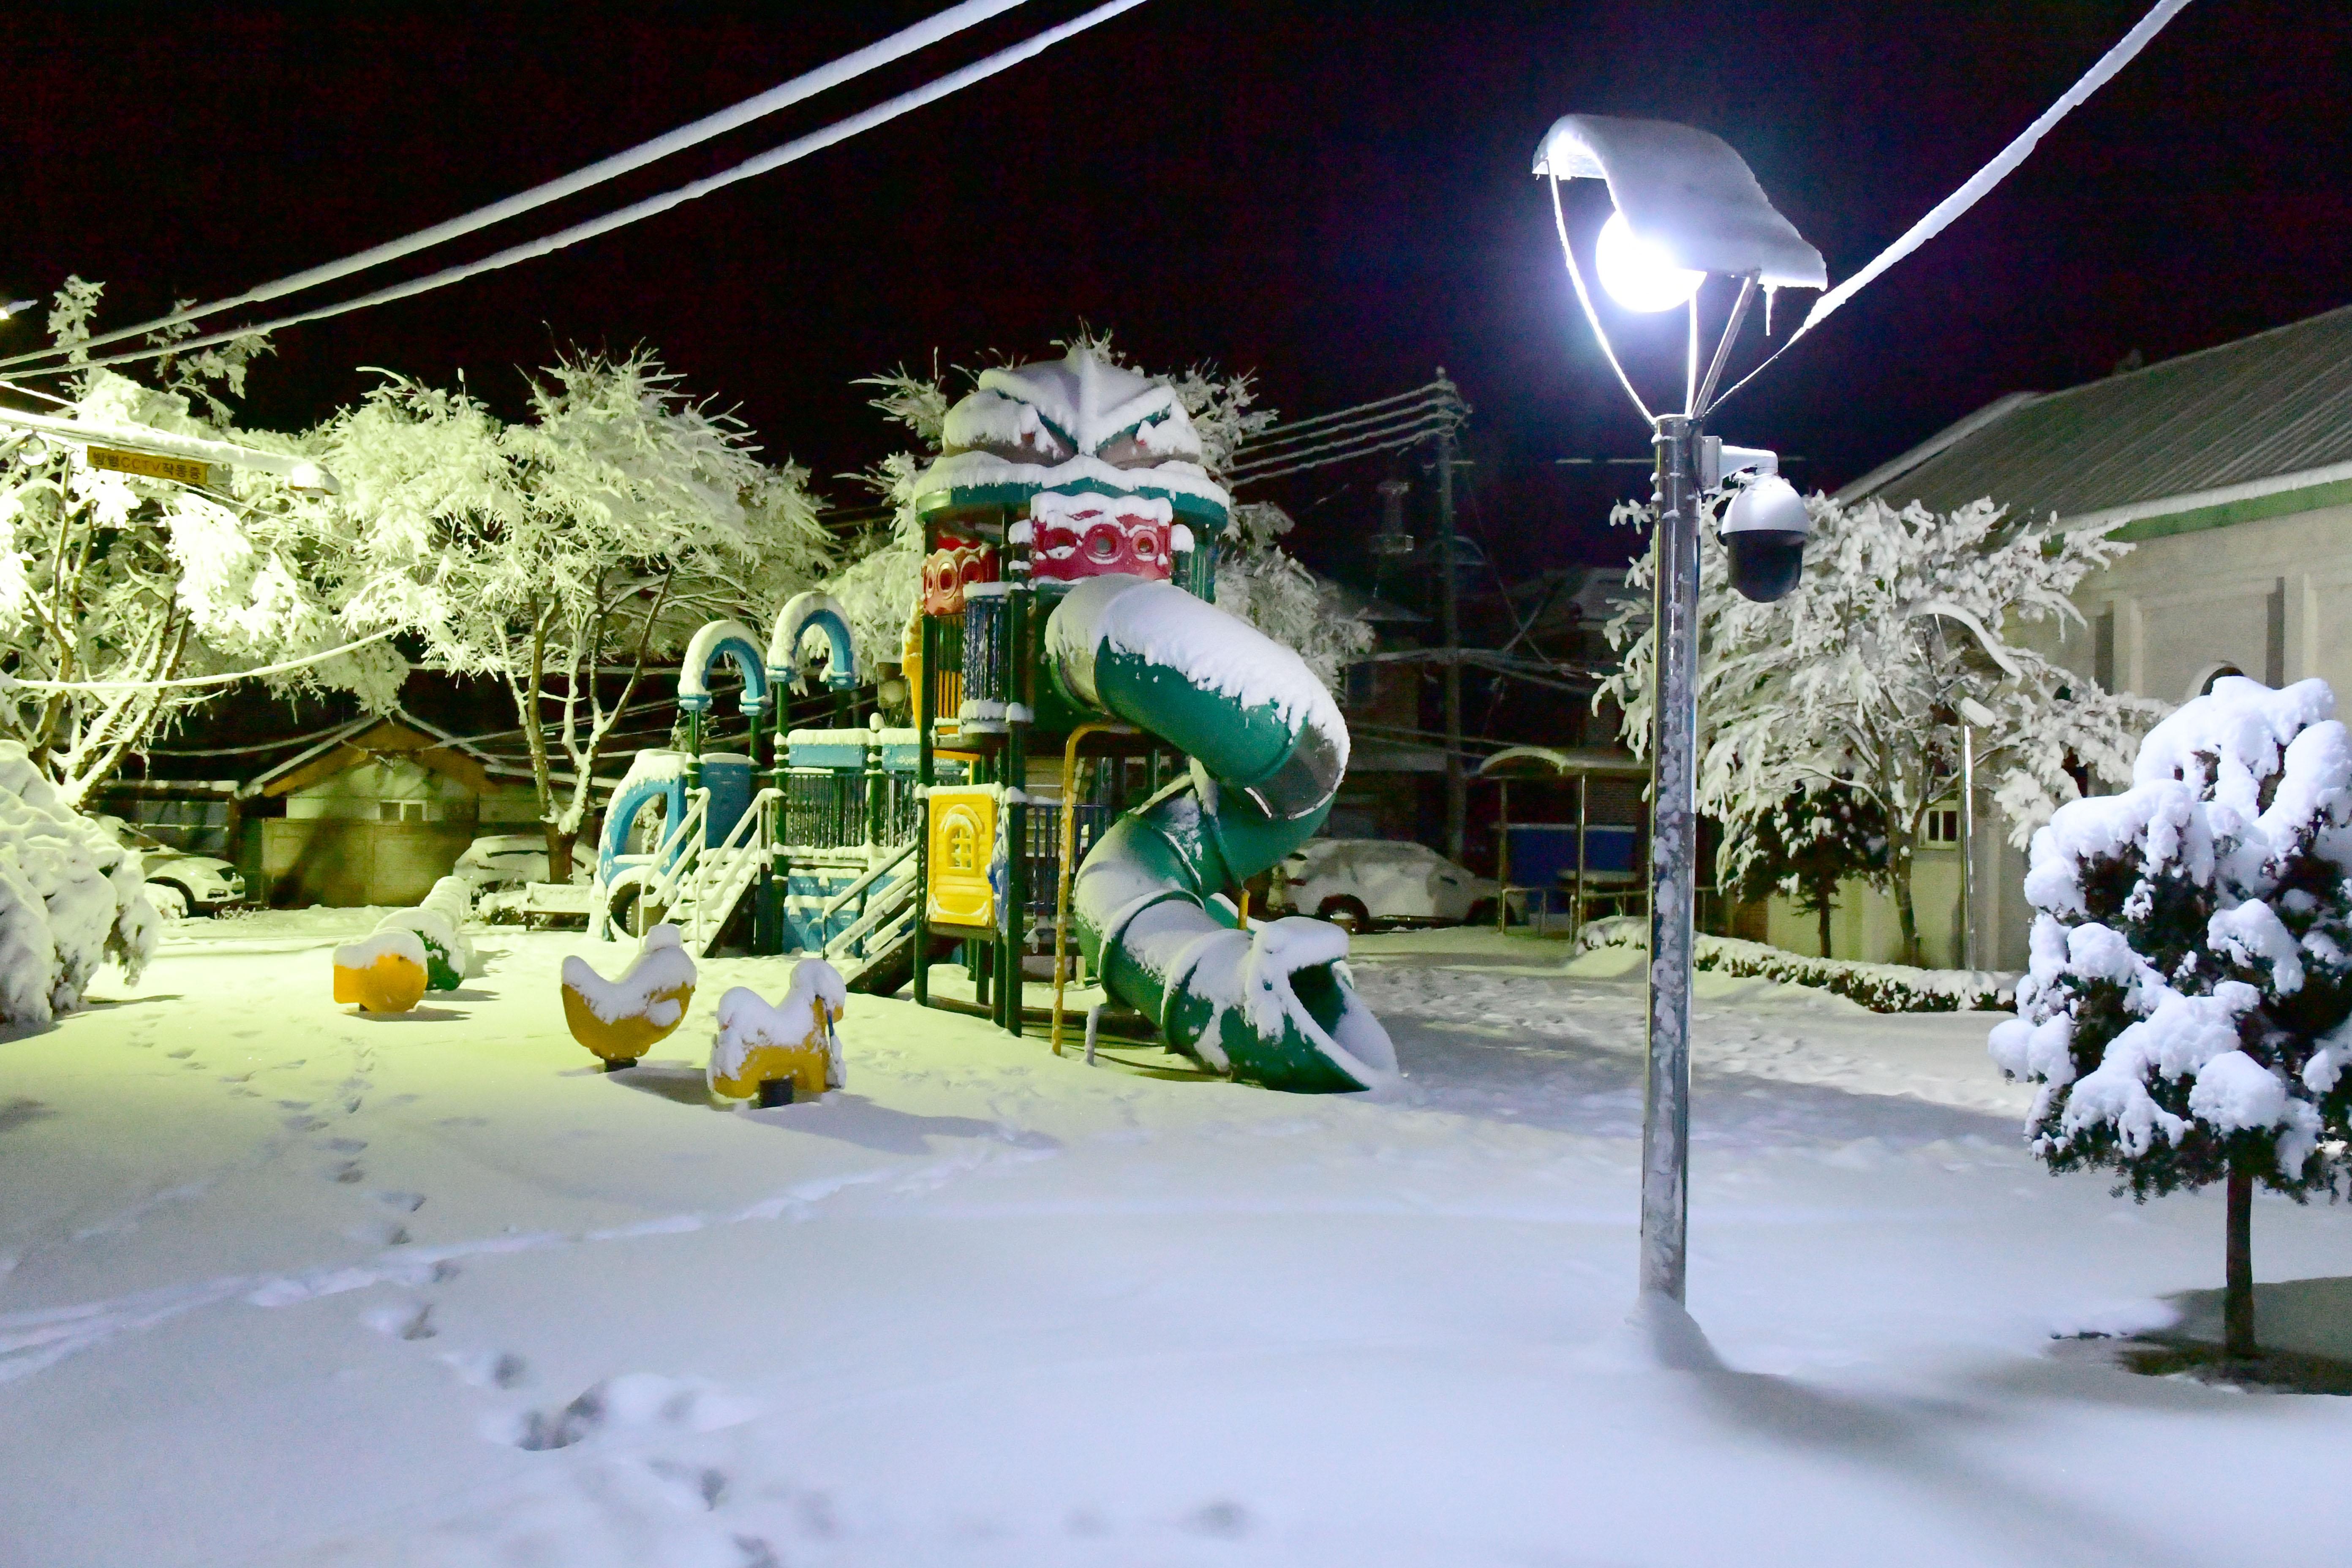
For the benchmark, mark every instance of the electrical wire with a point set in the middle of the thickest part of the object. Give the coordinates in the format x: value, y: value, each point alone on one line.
x: 790, y: 152
x: 10, y: 683
x: 1944, y: 213
x: 897, y: 46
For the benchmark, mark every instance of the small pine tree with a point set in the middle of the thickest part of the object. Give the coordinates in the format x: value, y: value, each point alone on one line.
x: 1804, y: 846
x: 2186, y: 1008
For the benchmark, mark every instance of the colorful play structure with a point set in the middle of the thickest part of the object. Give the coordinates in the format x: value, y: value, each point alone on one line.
x: 1100, y: 760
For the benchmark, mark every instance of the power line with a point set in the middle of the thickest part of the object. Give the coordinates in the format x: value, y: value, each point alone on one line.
x: 899, y: 44
x: 790, y: 152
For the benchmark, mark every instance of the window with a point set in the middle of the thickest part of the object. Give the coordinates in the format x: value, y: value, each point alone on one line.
x: 1943, y: 827
x: 399, y: 810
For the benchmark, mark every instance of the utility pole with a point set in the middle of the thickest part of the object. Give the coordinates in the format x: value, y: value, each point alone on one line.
x: 1456, y: 788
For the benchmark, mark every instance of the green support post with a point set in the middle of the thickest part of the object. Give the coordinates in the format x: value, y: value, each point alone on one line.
x: 925, y: 773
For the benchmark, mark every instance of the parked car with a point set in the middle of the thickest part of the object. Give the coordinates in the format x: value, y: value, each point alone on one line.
x: 501, y: 860
x: 180, y: 884
x: 1360, y: 883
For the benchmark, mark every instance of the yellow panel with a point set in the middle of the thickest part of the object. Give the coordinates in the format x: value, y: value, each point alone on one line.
x: 964, y: 842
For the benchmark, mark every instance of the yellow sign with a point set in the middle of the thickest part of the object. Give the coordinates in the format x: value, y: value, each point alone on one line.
x: 962, y: 844
x: 147, y: 466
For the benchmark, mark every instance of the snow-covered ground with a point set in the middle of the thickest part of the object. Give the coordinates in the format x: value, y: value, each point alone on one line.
x: 279, y: 1285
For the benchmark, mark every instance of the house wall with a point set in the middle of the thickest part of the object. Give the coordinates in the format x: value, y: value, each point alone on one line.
x: 1865, y: 924
x: 2271, y: 597
x: 344, y: 862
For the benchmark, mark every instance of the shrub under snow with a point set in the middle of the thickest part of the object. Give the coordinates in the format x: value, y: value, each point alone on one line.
x: 1881, y: 987
x: 70, y: 898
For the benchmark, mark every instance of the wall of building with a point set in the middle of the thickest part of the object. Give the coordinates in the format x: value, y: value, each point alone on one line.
x: 1865, y: 924
x: 344, y: 861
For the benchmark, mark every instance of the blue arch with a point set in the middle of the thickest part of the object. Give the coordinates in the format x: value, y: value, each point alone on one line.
x: 729, y: 640
x: 653, y: 775
x: 824, y: 612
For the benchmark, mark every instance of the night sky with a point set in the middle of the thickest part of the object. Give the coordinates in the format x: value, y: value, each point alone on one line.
x: 1333, y: 195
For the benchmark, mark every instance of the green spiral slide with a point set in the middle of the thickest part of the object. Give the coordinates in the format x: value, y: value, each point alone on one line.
x: 1272, y: 1004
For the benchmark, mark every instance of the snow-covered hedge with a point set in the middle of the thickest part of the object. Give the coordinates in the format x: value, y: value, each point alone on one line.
x: 1881, y: 987
x: 70, y: 899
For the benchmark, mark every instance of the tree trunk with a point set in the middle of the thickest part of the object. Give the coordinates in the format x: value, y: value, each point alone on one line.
x: 1825, y: 906
x: 559, y: 852
x: 2237, y: 1286
x: 1899, y: 881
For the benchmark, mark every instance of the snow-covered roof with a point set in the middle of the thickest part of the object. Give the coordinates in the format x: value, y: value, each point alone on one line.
x: 2247, y: 428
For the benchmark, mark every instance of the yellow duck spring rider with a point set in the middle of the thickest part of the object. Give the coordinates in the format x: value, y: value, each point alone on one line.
x: 621, y: 1019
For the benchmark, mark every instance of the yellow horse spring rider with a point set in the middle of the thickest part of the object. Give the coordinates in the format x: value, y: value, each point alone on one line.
x: 787, y: 1052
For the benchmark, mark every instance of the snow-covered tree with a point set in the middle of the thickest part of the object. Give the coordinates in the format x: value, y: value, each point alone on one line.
x: 2189, y: 1011
x: 1863, y: 677
x: 1803, y: 846
x: 1256, y: 579
x: 600, y: 534
x: 112, y: 583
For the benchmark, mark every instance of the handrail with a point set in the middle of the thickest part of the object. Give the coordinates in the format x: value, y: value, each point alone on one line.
x: 882, y: 910
x: 734, y: 874
x: 676, y: 864
x: 867, y: 879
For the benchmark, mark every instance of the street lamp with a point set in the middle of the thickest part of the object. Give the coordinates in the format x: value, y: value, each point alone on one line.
x: 1687, y: 210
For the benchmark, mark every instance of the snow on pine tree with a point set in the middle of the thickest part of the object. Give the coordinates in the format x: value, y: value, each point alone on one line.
x: 1862, y: 676
x: 1256, y: 579
x: 1803, y: 846
x: 2189, y: 1011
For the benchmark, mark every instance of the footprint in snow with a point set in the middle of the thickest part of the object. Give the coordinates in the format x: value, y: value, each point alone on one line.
x: 346, y: 1145
x: 182, y: 1053
x: 402, y: 1321
x: 349, y: 1172
x: 636, y: 1402
x: 488, y: 1369
x: 407, y: 1202
x: 380, y: 1232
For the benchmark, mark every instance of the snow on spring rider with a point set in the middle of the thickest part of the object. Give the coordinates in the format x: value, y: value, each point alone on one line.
x: 1063, y: 650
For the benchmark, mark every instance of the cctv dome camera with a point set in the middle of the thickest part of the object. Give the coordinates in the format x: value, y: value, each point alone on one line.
x: 1764, y: 533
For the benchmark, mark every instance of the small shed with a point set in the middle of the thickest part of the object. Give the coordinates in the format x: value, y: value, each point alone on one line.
x: 375, y: 815
x: 1588, y: 824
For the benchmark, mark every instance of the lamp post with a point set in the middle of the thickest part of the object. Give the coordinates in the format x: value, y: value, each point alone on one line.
x: 1688, y: 209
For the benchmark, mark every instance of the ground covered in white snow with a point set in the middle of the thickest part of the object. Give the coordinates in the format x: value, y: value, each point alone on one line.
x: 279, y: 1285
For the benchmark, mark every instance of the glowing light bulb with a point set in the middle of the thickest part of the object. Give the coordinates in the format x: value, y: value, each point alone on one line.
x: 1638, y: 273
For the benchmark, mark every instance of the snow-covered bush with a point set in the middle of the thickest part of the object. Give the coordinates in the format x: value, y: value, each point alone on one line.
x: 1864, y: 675
x: 1881, y: 987
x: 70, y: 898
x: 2187, y: 1009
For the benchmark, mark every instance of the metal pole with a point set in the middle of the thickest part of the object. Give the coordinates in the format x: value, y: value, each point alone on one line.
x: 1674, y: 858
x: 1968, y: 847
x: 1456, y: 791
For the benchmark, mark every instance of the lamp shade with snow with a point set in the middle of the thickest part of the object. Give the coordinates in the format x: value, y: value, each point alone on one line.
x: 1689, y: 206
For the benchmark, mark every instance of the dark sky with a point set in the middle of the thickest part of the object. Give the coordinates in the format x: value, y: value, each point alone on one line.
x: 1334, y: 195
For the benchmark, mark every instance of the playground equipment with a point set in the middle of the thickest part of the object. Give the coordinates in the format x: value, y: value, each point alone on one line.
x: 1063, y: 652
x: 786, y: 1052
x: 386, y: 973
x: 621, y: 1019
